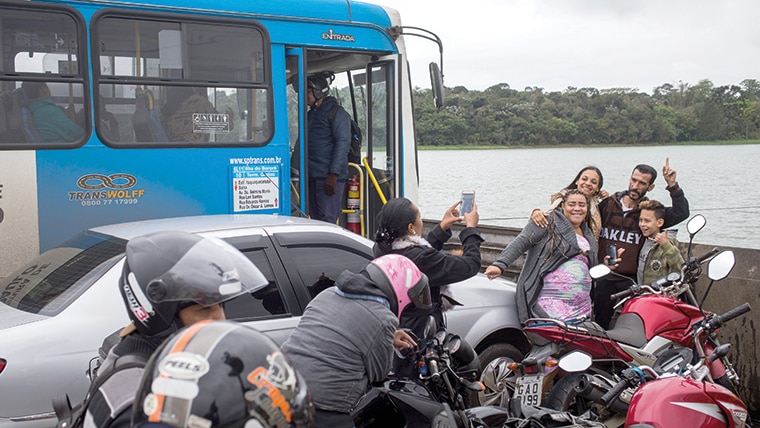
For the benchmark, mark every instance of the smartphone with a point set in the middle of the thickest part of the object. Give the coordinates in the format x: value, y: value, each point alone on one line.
x: 612, y: 252
x: 468, y: 198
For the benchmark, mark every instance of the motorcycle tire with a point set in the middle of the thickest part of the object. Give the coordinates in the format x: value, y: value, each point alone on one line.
x: 563, y: 396
x: 499, y: 382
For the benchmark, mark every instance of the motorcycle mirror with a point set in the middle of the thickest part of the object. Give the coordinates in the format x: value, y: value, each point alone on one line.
x: 720, y: 266
x: 575, y: 361
x: 599, y: 271
x: 452, y: 343
x: 430, y: 326
x: 440, y: 336
x: 696, y: 224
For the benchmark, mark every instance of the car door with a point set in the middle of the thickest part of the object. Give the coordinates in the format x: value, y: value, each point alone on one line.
x: 314, y: 259
x: 274, y: 310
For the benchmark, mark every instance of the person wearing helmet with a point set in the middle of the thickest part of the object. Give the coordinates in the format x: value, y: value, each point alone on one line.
x: 221, y: 374
x: 345, y: 339
x: 170, y: 280
x: 329, y: 140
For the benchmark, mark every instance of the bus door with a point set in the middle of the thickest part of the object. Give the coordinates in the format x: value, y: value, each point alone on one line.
x: 380, y: 85
x: 296, y: 96
x: 368, y: 89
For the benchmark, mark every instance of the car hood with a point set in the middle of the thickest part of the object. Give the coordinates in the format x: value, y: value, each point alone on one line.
x: 480, y: 292
x: 487, y: 307
x: 11, y: 317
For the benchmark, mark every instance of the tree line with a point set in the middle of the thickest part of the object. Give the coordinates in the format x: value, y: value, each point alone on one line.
x: 502, y: 116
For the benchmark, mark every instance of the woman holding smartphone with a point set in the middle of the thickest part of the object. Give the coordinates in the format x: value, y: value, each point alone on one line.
x: 589, y: 180
x: 400, y: 231
x: 554, y: 281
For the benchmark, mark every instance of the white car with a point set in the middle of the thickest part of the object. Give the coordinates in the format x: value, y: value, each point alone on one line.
x: 56, y: 309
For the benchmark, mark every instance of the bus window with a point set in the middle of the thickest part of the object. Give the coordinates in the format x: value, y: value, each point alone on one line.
x: 42, y: 78
x: 169, y: 82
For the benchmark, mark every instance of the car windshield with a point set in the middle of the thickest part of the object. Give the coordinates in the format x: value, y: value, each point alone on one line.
x: 51, y: 282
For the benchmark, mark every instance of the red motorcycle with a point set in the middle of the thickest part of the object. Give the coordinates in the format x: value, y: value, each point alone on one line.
x: 654, y: 318
x: 678, y: 393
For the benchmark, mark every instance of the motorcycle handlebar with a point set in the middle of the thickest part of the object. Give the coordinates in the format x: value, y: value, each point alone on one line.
x: 613, y: 393
x: 733, y: 313
x: 620, y: 295
x: 699, y: 260
x: 433, y: 366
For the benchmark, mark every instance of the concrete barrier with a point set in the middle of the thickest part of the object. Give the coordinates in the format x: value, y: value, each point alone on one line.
x: 742, y: 285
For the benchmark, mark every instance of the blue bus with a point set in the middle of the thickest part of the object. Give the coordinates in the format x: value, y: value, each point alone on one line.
x: 120, y: 144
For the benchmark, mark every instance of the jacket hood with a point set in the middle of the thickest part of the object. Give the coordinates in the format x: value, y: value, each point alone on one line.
x: 358, y: 283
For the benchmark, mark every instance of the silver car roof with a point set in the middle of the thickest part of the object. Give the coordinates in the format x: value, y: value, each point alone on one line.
x: 204, y: 223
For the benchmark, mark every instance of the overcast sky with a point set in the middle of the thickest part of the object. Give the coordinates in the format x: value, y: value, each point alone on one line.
x: 554, y: 44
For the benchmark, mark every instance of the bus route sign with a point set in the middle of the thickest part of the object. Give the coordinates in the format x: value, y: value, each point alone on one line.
x: 255, y: 187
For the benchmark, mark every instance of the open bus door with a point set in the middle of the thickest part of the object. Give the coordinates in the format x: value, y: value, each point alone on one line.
x: 371, y: 93
x: 296, y: 96
x: 383, y: 136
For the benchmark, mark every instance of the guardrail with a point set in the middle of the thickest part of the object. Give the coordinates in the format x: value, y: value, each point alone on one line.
x: 743, y: 285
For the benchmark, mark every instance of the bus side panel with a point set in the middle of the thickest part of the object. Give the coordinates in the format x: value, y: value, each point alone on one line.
x: 19, y: 234
x: 92, y: 186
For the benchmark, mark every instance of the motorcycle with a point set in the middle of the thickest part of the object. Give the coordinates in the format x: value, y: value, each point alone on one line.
x: 654, y: 318
x: 680, y: 392
x: 448, y: 370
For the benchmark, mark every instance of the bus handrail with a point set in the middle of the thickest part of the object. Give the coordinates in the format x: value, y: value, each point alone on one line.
x: 371, y: 176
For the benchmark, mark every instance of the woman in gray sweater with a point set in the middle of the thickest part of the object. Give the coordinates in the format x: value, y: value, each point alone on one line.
x: 554, y: 281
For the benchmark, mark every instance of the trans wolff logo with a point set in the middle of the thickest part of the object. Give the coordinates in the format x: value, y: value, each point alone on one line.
x: 114, y: 189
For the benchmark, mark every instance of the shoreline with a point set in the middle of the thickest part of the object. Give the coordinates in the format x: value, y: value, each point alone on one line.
x: 562, y: 146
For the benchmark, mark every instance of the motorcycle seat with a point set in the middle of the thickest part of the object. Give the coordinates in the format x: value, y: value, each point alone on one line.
x: 629, y: 329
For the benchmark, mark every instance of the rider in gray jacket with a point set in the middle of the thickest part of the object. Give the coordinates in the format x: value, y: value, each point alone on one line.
x: 344, y: 341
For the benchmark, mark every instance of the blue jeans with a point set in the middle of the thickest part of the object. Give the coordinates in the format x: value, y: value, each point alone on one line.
x: 323, y: 206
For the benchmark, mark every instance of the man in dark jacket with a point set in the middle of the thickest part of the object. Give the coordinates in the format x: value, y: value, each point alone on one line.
x: 328, y: 145
x: 620, y: 227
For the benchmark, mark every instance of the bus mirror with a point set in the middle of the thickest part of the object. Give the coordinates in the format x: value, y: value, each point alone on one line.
x: 436, y: 81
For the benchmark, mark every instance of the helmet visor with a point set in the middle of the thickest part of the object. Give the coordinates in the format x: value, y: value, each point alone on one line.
x: 419, y: 293
x: 210, y: 272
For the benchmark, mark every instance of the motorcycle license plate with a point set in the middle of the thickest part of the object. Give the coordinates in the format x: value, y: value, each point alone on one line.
x: 528, y: 389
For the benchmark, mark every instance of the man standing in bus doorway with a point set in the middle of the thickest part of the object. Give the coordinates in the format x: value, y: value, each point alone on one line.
x: 328, y: 145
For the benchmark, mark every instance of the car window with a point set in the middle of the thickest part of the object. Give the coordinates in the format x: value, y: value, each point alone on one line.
x: 320, y: 266
x: 49, y: 283
x: 266, y: 302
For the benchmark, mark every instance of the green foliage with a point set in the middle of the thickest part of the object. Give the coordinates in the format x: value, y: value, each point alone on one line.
x: 502, y: 116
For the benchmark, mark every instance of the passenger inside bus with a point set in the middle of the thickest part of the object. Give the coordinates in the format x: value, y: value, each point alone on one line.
x: 177, y: 114
x: 53, y: 125
x: 109, y: 124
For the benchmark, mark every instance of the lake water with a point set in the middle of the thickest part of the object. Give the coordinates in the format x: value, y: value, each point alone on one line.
x: 718, y: 182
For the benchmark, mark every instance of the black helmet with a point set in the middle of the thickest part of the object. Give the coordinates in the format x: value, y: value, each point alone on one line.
x: 320, y: 84
x: 166, y: 271
x: 221, y: 374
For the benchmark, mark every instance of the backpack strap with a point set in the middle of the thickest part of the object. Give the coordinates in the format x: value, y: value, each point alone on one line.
x: 73, y: 417
x: 332, y: 113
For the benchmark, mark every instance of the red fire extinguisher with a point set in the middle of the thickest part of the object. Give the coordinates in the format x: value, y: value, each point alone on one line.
x: 353, y: 220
